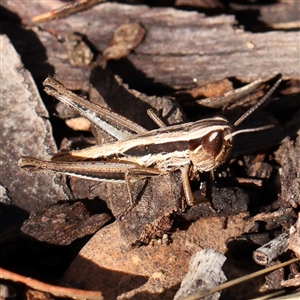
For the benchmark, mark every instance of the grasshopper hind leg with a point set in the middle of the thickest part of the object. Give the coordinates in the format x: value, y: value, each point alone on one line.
x: 155, y: 118
x: 132, y: 176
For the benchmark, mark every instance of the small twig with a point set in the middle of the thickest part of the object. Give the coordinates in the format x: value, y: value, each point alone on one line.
x: 270, y: 251
x: 54, y: 290
x: 238, y: 280
x: 66, y: 10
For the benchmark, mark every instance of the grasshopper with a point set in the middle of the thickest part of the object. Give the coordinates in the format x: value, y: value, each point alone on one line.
x: 137, y: 153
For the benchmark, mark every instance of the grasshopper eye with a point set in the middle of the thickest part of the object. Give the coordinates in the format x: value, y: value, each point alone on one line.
x: 213, y: 142
x: 209, y: 151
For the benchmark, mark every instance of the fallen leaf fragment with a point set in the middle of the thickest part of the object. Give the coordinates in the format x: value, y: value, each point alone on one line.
x: 105, y: 262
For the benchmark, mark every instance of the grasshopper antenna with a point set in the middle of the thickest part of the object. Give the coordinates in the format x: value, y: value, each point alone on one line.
x: 250, y: 111
x: 258, y: 104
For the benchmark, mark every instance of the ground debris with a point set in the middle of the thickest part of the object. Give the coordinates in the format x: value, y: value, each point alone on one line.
x: 288, y: 155
x: 205, y: 271
x: 24, y: 119
x: 61, y: 224
x: 193, y: 60
x: 153, y: 271
x: 294, y: 239
x: 126, y: 38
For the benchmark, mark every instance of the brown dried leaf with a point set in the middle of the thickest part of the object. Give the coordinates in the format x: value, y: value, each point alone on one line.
x: 149, y: 272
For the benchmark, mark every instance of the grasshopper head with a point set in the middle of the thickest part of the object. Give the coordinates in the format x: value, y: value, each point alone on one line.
x: 211, y: 139
x: 212, y: 148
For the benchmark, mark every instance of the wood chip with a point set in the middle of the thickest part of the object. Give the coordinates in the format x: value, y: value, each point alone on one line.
x: 126, y: 38
x: 24, y: 121
x: 288, y: 155
x: 205, y: 271
x: 269, y: 252
x: 294, y: 239
x: 62, y: 224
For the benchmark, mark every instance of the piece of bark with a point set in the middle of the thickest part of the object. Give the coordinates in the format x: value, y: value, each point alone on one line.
x: 269, y: 252
x: 216, y: 201
x: 293, y: 282
x: 284, y: 217
x: 260, y: 170
x: 156, y: 200
x: 205, y: 271
x: 280, y: 15
x: 181, y: 49
x: 61, y: 224
x: 4, y: 196
x: 294, y: 239
x: 274, y: 279
x: 288, y: 155
x: 152, y: 271
x: 202, y: 4
x: 33, y: 294
x: 25, y: 130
